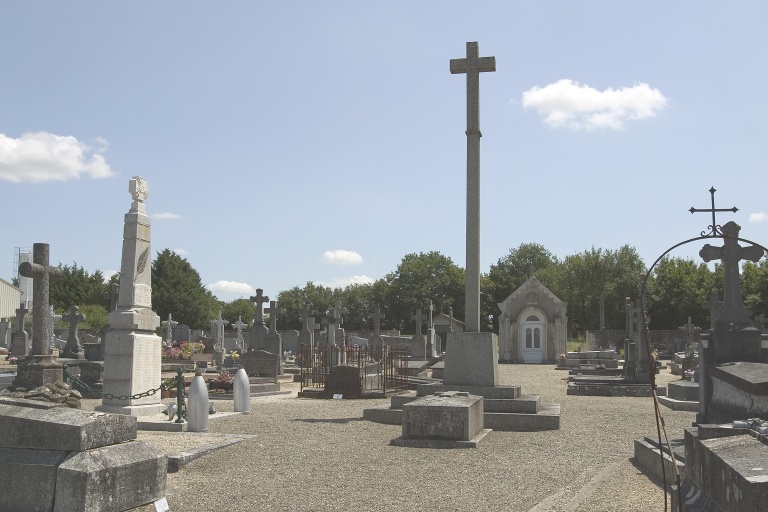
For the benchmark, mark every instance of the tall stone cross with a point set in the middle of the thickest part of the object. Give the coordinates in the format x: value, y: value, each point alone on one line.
x: 21, y: 314
x: 377, y: 317
x: 73, y: 347
x: 217, y: 326
x: 41, y: 273
x: 472, y: 65
x: 274, y: 312
x: 419, y: 318
x: 731, y: 253
x: 305, y: 312
x: 168, y: 326
x: 339, y: 310
x: 259, y: 299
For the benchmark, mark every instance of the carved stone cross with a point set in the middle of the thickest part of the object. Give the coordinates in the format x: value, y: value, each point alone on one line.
x: 41, y: 273
x: 239, y: 326
x: 731, y: 253
x: 259, y: 299
x: 217, y: 326
x: 73, y: 348
x: 338, y: 310
x: 305, y: 312
x: 713, y: 305
x: 377, y: 316
x: 274, y: 312
x: 168, y: 325
x: 420, y: 319
x: 473, y: 65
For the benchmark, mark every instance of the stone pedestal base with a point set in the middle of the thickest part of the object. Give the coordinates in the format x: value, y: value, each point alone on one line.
x: 472, y: 359
x: 36, y: 371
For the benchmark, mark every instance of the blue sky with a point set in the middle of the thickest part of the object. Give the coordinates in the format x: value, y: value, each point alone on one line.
x: 298, y: 141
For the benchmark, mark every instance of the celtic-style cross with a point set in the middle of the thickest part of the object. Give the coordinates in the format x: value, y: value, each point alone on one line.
x: 715, y: 230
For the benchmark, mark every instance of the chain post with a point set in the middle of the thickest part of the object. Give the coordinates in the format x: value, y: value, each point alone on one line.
x: 179, y: 394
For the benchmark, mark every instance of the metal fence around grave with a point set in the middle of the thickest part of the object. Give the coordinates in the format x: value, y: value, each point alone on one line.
x: 352, y: 370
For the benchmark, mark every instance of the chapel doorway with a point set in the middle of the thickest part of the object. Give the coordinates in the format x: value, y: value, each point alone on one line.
x: 532, y: 336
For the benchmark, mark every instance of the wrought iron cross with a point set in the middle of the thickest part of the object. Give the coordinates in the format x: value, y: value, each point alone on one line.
x: 715, y: 229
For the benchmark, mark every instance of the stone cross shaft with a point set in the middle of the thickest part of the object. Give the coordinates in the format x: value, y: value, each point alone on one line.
x: 168, y: 325
x: 305, y: 312
x: 472, y: 65
x: 41, y: 273
x: 239, y: 326
x: 377, y: 316
x: 338, y: 310
x: 274, y: 312
x: 259, y: 299
x: 713, y: 305
x: 733, y: 310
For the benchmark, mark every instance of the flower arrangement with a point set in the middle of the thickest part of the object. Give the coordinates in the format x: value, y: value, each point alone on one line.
x: 234, y: 355
x: 13, y: 360
x: 224, y: 377
x: 183, y: 350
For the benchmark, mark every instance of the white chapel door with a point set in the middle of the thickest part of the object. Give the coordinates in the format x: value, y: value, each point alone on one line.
x: 533, y: 333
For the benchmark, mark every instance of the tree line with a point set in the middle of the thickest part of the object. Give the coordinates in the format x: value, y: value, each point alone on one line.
x: 676, y: 289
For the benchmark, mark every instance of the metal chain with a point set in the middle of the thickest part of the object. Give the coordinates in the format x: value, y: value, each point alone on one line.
x: 166, y: 384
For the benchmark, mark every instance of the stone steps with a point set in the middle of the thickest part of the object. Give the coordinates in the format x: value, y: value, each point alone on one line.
x: 648, y: 458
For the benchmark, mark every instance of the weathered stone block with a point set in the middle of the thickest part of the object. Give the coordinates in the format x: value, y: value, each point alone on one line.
x: 22, y: 468
x: 453, y: 416
x: 472, y: 359
x: 117, y: 477
x: 25, y: 424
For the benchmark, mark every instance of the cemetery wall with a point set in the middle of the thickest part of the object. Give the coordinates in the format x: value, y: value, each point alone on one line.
x: 665, y: 342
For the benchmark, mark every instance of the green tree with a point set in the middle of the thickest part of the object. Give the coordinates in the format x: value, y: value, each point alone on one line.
x: 676, y: 292
x: 598, y: 275
x: 95, y: 317
x: 418, y: 279
x: 178, y: 290
x: 238, y: 308
x: 754, y: 286
x: 319, y: 298
x: 77, y: 287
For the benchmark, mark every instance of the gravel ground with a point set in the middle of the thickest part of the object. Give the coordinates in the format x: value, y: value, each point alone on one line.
x: 308, y: 454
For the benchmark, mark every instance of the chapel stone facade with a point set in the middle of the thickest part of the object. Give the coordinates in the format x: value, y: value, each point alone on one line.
x: 532, y: 325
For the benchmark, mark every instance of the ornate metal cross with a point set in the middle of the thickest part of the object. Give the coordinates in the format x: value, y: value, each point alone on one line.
x: 715, y: 230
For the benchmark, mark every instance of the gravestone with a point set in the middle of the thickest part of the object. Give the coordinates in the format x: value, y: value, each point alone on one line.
x: 168, y: 327
x: 273, y: 341
x: 217, y: 332
x: 239, y: 340
x: 377, y: 317
x: 181, y: 333
x: 260, y: 363
x: 40, y: 366
x: 132, y: 350
x: 5, y: 328
x: 418, y: 346
x: 74, y: 348
x: 19, y: 337
x: 258, y: 329
x: 291, y: 341
x: 58, y: 458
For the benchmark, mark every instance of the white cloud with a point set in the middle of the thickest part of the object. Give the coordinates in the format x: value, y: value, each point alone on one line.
x: 342, y: 257
x: 181, y: 252
x: 41, y: 156
x: 108, y: 274
x: 758, y: 217
x: 231, y: 287
x: 568, y: 104
x: 343, y: 282
x: 166, y: 215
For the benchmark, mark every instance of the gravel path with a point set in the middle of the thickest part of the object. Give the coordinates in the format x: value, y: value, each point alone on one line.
x: 310, y: 455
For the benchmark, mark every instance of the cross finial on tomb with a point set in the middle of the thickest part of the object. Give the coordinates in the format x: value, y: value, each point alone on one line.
x: 377, y: 317
x: 731, y: 253
x: 274, y: 312
x: 259, y: 299
x: 715, y: 230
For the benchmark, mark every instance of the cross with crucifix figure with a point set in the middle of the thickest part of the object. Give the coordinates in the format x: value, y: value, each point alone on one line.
x: 259, y: 299
x: 274, y: 312
x: 73, y: 349
x: 41, y: 273
x: 472, y: 65
x: 217, y: 329
x: 168, y: 326
x: 731, y: 253
x: 239, y: 326
x: 377, y: 316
